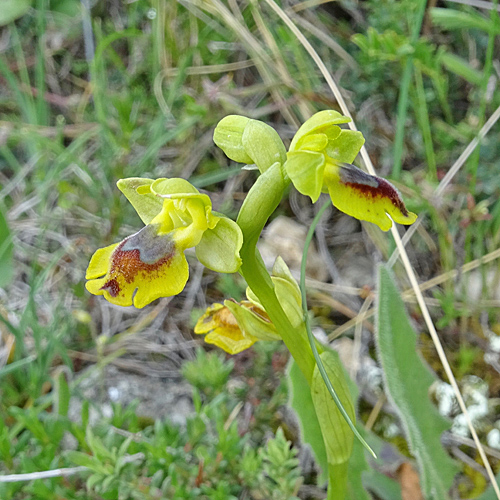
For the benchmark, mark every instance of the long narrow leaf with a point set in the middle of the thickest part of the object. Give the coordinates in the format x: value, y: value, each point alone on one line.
x: 450, y: 19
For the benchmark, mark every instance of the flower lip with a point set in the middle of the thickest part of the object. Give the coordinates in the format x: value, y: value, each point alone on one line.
x: 365, y: 196
x: 144, y: 252
x: 223, y: 330
x: 370, y: 185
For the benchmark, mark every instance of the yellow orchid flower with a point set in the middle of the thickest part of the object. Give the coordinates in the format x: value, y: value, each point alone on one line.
x: 319, y: 160
x: 151, y: 264
x: 236, y: 326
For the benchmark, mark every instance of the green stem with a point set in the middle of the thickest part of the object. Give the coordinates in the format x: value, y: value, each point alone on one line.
x: 312, y: 341
x: 337, y: 480
x: 261, y: 201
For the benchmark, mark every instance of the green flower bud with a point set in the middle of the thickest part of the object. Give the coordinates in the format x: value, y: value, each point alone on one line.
x: 249, y: 141
x: 228, y: 136
x: 263, y: 144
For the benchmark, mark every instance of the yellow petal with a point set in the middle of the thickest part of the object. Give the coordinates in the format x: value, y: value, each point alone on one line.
x: 99, y: 263
x: 146, y: 262
x: 224, y: 330
x: 365, y: 196
x: 209, y: 321
x: 231, y: 342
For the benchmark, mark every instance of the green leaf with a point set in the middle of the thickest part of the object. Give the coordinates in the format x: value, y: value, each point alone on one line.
x: 89, y: 461
x: 290, y: 299
x: 6, y: 250
x: 301, y: 401
x: 450, y: 19
x: 63, y: 394
x: 336, y: 432
x: 97, y: 447
x: 30, y: 419
x: 357, y: 466
x: 407, y: 381
x: 383, y: 486
x: 462, y: 68
x: 15, y: 365
x: 12, y: 10
x: 363, y: 476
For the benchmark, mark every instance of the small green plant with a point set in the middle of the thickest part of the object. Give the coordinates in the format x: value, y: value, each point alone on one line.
x: 116, y: 459
x: 281, y: 469
x: 208, y: 373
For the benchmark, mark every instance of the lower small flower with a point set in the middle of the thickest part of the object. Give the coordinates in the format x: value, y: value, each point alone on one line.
x: 234, y: 326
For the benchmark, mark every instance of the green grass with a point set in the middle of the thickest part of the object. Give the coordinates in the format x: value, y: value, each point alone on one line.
x: 146, y: 105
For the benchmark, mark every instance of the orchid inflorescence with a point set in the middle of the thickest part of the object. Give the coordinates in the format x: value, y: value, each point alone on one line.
x: 151, y: 263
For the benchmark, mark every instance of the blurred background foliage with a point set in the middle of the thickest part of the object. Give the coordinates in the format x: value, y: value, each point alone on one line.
x: 94, y: 91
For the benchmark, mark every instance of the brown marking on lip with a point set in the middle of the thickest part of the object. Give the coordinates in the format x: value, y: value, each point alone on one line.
x: 126, y: 264
x: 384, y: 190
x: 226, y: 319
x: 112, y: 286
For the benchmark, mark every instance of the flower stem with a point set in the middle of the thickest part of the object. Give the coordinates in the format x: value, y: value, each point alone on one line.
x: 262, y: 200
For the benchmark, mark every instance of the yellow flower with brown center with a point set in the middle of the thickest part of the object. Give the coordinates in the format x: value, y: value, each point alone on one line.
x: 147, y: 261
x: 319, y: 160
x: 151, y: 263
x: 224, y: 330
